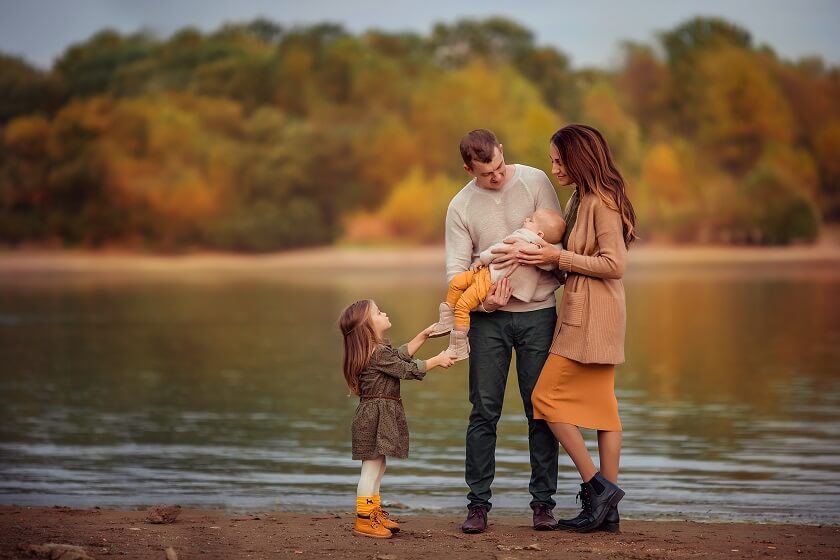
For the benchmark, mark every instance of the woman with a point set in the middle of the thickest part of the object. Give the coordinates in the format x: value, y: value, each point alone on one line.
x: 576, y: 385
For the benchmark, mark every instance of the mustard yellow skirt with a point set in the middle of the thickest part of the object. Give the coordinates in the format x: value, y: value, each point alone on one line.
x: 574, y: 393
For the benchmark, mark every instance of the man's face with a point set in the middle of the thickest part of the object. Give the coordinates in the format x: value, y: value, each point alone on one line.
x: 490, y: 175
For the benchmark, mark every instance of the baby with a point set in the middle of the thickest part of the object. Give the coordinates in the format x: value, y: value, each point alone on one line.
x: 468, y: 289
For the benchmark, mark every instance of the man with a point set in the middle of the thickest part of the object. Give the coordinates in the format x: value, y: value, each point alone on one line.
x: 495, y: 202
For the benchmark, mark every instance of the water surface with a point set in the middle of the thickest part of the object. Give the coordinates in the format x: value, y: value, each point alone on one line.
x: 225, y: 390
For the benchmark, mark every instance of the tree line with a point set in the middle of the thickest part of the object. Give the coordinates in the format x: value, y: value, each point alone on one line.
x: 258, y: 137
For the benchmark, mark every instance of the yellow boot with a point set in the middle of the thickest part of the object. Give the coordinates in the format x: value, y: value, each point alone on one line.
x: 371, y: 527
x: 383, y: 518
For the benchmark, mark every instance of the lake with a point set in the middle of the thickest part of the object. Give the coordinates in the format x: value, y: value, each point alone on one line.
x: 224, y: 389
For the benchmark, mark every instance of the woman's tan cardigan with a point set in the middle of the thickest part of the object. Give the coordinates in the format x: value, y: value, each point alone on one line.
x: 593, y: 314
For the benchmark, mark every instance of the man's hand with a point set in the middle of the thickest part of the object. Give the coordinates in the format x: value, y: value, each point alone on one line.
x: 498, y: 295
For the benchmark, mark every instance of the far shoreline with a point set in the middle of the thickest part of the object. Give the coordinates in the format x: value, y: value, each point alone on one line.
x: 366, y: 258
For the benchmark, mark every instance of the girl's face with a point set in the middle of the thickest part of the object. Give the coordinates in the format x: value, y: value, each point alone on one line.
x: 379, y: 320
x: 557, y: 167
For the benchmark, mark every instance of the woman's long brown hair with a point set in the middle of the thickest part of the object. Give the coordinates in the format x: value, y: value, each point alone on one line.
x: 359, y: 341
x: 589, y: 164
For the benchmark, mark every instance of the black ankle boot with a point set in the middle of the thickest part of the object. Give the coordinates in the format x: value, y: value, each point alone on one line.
x: 612, y: 522
x: 601, y: 495
x: 576, y: 523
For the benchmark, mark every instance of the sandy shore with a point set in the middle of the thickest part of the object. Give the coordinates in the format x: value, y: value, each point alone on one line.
x: 214, y: 534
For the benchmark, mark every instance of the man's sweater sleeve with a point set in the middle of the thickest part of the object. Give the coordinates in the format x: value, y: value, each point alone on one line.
x: 459, y: 245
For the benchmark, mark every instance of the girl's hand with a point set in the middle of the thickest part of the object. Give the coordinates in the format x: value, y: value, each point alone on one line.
x: 536, y: 255
x: 443, y: 360
x: 476, y: 265
x: 428, y: 330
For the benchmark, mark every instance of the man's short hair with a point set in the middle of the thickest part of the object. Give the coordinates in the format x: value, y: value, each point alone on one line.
x: 478, y: 145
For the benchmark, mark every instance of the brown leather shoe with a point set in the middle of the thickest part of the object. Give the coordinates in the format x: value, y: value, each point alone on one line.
x: 476, y: 520
x: 543, y: 518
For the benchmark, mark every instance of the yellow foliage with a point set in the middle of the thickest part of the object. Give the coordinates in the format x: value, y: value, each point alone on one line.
x: 662, y: 171
x: 480, y: 96
x: 26, y: 137
x: 602, y: 110
x: 385, y: 152
x: 416, y: 207
x: 164, y: 154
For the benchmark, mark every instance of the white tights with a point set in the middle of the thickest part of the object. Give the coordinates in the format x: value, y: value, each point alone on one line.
x: 371, y: 476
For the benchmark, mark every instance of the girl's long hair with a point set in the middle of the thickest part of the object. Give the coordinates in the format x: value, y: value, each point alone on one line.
x: 359, y: 341
x: 589, y: 164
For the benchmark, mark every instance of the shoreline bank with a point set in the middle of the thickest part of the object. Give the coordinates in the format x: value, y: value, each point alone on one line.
x: 201, y: 533
x: 352, y: 258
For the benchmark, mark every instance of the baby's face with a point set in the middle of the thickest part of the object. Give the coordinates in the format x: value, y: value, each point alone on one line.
x: 531, y: 225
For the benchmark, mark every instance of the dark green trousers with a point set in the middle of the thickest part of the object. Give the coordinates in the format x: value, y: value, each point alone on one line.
x: 493, y: 338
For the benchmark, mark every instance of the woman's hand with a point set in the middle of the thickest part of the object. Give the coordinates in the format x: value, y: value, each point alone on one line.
x: 535, y: 255
x: 506, y: 256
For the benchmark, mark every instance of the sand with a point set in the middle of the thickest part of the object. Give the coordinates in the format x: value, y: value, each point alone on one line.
x: 211, y: 534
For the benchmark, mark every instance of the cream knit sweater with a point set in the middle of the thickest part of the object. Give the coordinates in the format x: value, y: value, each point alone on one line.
x: 477, y: 218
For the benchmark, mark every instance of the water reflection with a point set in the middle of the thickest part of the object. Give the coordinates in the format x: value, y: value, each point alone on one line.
x: 227, y: 391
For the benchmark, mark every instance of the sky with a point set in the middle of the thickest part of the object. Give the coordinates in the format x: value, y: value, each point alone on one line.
x: 588, y: 31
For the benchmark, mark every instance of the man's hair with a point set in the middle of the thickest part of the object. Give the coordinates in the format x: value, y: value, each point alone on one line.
x: 478, y: 145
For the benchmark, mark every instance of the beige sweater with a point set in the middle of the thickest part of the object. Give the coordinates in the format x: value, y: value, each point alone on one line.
x: 477, y: 218
x: 590, y: 327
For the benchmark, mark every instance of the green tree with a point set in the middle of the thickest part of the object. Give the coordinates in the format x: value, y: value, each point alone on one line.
x: 775, y: 212
x: 683, y: 45
x: 25, y: 90
x: 87, y: 68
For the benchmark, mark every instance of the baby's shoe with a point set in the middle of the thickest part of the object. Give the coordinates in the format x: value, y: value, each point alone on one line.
x: 459, y: 345
x: 445, y: 322
x: 384, y: 518
x: 369, y: 526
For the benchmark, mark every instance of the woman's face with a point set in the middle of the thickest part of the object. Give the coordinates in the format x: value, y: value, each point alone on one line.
x: 557, y: 167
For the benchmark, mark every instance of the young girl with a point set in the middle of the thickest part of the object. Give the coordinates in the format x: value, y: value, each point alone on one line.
x: 373, y: 369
